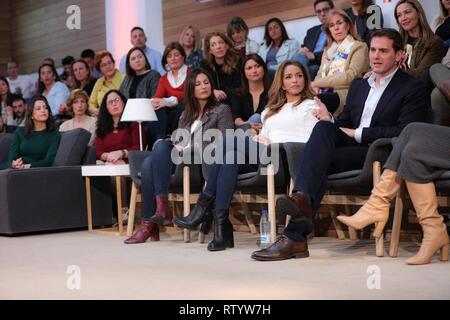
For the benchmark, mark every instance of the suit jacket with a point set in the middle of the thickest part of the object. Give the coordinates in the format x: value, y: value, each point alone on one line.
x: 403, y: 101
x: 424, y: 57
x: 217, y: 117
x: 311, y: 38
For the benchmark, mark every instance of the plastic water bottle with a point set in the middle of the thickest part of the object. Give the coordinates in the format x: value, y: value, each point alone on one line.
x: 264, y: 228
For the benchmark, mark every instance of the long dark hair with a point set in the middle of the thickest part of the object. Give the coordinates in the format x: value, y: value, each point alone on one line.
x: 192, y: 106
x: 105, y: 123
x: 130, y: 71
x: 244, y: 89
x: 231, y: 58
x: 172, y: 46
x: 29, y: 122
x: 90, y: 77
x: 41, y: 86
x: 8, y: 94
x: 284, y: 34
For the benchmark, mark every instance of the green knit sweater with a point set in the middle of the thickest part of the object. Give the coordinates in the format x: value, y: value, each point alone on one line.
x: 39, y: 149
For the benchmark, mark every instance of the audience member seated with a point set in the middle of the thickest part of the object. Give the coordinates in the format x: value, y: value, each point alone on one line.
x: 35, y: 144
x: 88, y: 55
x: 277, y: 47
x: 422, y: 47
x: 440, y: 97
x: 310, y: 53
x: 237, y: 30
x: 169, y: 97
x: 111, y: 80
x: 67, y: 77
x: 15, y: 114
x: 191, y: 41
x: 344, y: 59
x: 223, y: 63
x: 114, y: 138
x: 53, y: 89
x: 289, y: 117
x: 83, y: 76
x: 358, y: 13
x: 77, y: 105
x: 442, y: 23
x: 139, y: 39
x: 5, y: 101
x: 202, y: 113
x: 19, y: 84
x: 250, y: 101
x: 420, y: 155
x: 378, y: 107
x: 48, y: 60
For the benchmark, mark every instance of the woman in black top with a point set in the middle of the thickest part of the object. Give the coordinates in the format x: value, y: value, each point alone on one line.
x: 251, y: 99
x: 223, y: 63
x: 83, y: 76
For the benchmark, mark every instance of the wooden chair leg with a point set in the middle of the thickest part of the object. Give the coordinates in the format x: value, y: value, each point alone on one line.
x: 339, y: 231
x: 271, y: 202
x: 396, y: 225
x: 186, y: 201
x: 134, y: 192
x: 248, y: 217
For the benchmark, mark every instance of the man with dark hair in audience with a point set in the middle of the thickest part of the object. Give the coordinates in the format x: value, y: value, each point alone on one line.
x: 16, y: 114
x: 377, y: 107
x: 19, y: 84
x: 88, y: 55
x: 139, y: 39
x: 310, y: 54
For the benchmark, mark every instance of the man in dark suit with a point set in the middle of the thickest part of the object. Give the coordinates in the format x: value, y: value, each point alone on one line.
x: 377, y: 107
x: 310, y: 54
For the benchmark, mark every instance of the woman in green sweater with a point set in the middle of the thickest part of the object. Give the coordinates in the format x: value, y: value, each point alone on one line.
x: 34, y: 145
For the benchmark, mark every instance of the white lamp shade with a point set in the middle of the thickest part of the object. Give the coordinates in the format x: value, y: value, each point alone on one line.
x: 139, y: 110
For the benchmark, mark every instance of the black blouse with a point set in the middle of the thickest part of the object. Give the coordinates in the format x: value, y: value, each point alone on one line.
x: 242, y: 106
x: 224, y: 81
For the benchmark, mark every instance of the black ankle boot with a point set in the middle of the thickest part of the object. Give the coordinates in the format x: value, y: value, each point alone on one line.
x: 198, y: 214
x: 223, y: 231
x: 207, y: 224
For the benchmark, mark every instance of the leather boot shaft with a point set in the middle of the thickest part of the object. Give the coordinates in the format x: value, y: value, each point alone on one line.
x: 223, y: 231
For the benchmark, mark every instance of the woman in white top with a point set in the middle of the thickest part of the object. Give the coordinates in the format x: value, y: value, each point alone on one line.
x: 277, y: 47
x: 78, y: 105
x: 287, y: 118
x: 51, y: 87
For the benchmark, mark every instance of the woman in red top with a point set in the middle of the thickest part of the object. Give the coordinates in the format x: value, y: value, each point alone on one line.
x: 114, y: 138
x: 168, y: 99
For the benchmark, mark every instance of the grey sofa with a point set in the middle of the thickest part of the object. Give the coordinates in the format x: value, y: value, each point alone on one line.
x: 52, y: 198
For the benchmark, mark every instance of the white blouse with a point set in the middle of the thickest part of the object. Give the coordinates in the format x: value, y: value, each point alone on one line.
x: 291, y: 123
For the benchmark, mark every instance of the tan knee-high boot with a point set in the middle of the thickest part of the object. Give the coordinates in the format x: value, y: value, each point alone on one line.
x: 376, y: 209
x: 435, y: 236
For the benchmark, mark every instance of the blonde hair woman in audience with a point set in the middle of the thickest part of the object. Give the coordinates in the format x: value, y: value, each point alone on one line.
x: 77, y: 104
x: 344, y: 59
x: 223, y: 63
x: 237, y: 30
x: 191, y: 41
x: 289, y: 117
x: 422, y: 47
x: 111, y: 79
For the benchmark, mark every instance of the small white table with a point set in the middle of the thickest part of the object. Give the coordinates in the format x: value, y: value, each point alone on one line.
x: 117, y: 171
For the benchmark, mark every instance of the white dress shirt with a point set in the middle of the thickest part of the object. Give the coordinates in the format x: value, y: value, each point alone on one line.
x: 372, y: 100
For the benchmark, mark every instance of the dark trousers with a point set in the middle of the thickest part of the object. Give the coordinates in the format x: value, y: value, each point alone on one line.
x: 222, y: 175
x: 155, y: 176
x: 167, y: 122
x: 328, y: 150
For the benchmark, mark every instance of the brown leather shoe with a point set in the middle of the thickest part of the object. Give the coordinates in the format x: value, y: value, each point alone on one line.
x: 282, y: 249
x: 296, y: 205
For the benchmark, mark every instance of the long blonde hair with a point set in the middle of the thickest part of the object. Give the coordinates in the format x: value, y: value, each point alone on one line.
x: 426, y: 34
x: 231, y: 57
x: 352, y: 31
x: 277, y: 95
x: 197, y: 37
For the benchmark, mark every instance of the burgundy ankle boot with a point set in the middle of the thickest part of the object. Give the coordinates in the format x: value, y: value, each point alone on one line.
x: 163, y: 216
x: 147, y: 229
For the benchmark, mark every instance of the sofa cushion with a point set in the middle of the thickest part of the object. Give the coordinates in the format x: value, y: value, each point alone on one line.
x: 72, y: 147
x: 5, y: 142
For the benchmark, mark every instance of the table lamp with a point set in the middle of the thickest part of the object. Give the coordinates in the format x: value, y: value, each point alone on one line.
x: 139, y: 110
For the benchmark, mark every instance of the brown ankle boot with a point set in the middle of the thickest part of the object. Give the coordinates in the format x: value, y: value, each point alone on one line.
x: 376, y: 209
x: 435, y: 236
x: 163, y: 215
x: 147, y: 229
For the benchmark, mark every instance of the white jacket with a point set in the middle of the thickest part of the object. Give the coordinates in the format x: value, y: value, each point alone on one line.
x: 286, y: 51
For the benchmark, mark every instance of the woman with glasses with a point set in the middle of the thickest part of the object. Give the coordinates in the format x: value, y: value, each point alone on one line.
x: 114, y: 138
x: 35, y: 144
x: 344, y: 59
x: 111, y: 79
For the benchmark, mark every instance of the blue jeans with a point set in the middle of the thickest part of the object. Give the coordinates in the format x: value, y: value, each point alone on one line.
x: 222, y: 175
x: 255, y: 118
